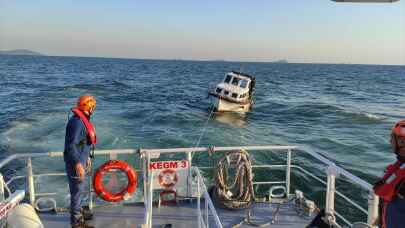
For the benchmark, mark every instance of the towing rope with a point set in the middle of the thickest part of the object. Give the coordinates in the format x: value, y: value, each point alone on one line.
x: 204, y: 128
x: 236, y: 194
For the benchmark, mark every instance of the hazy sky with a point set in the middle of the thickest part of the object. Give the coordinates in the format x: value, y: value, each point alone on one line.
x: 247, y: 30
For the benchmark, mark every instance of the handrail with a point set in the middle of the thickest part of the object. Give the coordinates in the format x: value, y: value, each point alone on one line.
x: 150, y: 152
x: 316, y: 155
x: 341, y: 171
x: 215, y: 149
x: 60, y: 154
x: 208, y: 199
x: 255, y: 183
x: 337, y: 192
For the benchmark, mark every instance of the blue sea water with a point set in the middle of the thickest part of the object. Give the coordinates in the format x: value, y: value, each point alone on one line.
x: 343, y: 111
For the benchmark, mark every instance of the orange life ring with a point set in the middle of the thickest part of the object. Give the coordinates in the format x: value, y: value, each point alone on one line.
x: 113, y: 165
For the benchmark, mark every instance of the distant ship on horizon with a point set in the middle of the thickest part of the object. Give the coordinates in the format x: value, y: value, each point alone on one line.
x: 281, y: 61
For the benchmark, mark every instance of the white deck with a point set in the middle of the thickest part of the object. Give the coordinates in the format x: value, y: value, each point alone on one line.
x: 182, y: 215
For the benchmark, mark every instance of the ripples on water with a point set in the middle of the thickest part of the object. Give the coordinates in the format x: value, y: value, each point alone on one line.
x: 342, y: 111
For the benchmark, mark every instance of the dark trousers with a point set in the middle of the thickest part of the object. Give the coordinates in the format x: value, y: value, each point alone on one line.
x: 396, y: 213
x: 76, y: 188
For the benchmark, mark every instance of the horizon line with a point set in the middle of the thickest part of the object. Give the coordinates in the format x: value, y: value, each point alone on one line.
x: 41, y: 54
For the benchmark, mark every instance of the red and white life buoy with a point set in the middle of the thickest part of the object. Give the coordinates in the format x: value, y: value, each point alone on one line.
x: 168, y: 178
x: 99, y: 188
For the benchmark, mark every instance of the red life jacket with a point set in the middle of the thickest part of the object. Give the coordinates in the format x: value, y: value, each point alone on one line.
x: 387, y: 188
x: 91, y: 131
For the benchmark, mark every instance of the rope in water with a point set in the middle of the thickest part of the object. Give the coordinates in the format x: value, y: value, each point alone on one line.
x: 204, y: 128
x: 239, y: 193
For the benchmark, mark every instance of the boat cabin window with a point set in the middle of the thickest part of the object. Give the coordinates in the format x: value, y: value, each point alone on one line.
x: 243, y: 83
x: 228, y: 79
x: 234, y: 95
x: 219, y: 90
x: 235, y: 81
x: 226, y: 92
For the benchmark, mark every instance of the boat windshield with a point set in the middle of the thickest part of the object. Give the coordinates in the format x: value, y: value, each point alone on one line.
x: 235, y: 81
x: 243, y: 83
x: 228, y: 79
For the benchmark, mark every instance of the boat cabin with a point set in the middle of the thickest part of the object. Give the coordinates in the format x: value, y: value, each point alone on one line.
x: 236, y: 86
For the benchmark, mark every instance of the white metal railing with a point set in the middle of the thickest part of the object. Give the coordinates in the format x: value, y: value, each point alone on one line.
x: 209, y: 206
x: 7, y: 204
x: 201, y: 190
x: 148, y: 154
x: 332, y: 173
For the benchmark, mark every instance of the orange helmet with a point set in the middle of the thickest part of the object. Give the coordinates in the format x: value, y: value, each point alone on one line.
x: 86, y: 103
x: 398, y: 136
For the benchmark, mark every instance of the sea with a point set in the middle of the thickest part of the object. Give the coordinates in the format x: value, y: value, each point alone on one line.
x: 343, y: 111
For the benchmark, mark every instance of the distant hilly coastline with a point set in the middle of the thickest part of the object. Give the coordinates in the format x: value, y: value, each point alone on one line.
x: 19, y: 52
x: 33, y: 53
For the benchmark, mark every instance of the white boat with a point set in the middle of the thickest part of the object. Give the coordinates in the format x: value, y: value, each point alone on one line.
x: 234, y: 94
x: 283, y: 204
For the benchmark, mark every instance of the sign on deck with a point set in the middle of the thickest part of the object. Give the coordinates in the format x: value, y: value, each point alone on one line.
x: 169, y: 174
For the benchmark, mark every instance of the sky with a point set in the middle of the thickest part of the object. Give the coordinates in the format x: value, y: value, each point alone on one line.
x: 320, y: 31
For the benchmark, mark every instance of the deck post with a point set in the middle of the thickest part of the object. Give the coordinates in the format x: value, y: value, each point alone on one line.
x: 146, y: 186
x: 145, y: 189
x: 150, y: 192
x: 206, y: 213
x: 332, y: 172
x: 90, y: 179
x: 189, y: 180
x: 1, y: 188
x: 288, y: 173
x: 372, y: 216
x: 30, y: 181
x: 199, y: 203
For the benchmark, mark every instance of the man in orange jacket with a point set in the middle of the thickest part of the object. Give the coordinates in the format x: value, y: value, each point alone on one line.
x: 80, y: 139
x: 391, y: 187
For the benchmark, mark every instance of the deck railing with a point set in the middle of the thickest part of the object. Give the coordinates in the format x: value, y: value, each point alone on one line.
x: 332, y: 172
x: 209, y: 208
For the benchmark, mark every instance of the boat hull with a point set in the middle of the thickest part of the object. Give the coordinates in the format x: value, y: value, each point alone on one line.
x: 222, y: 105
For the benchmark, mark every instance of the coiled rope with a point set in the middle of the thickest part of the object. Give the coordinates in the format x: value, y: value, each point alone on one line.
x: 236, y: 194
